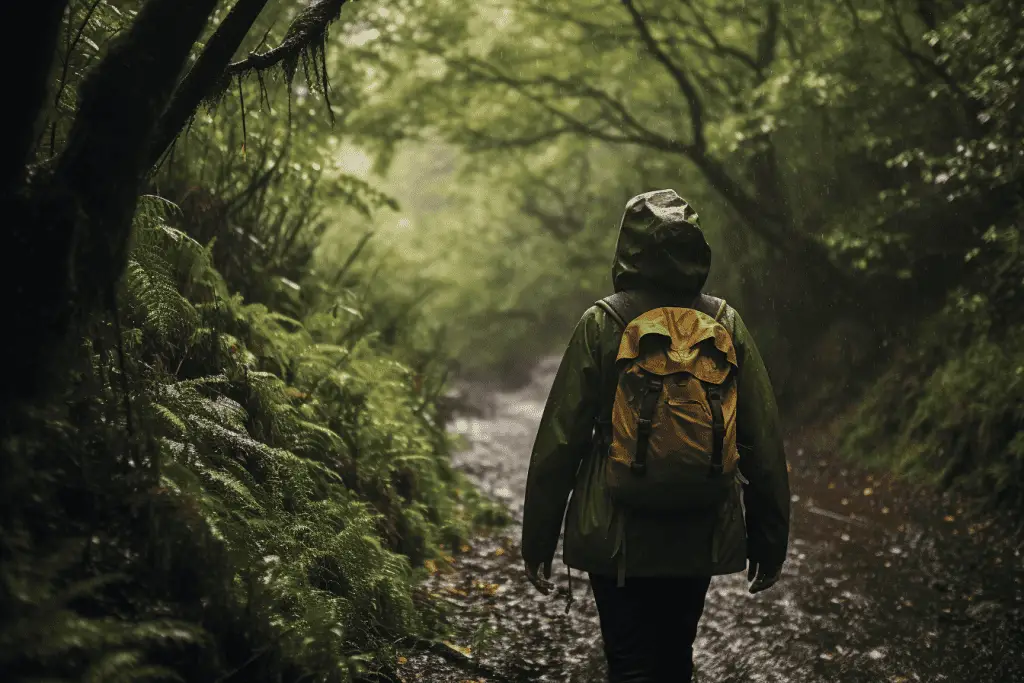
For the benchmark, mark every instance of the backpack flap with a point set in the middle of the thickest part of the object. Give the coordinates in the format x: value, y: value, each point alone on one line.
x: 686, y: 335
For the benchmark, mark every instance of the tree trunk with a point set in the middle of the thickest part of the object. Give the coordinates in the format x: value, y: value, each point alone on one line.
x: 72, y: 227
x: 29, y: 60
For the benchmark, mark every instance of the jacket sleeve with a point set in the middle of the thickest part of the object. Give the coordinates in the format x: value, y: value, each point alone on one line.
x: 563, y: 438
x: 762, y: 455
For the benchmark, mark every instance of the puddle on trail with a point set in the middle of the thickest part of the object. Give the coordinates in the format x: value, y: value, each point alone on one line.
x: 883, y: 584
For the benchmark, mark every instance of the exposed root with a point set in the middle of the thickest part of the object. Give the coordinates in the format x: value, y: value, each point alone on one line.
x: 453, y: 656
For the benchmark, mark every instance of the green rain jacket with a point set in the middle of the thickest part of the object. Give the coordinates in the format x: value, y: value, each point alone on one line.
x: 660, y: 248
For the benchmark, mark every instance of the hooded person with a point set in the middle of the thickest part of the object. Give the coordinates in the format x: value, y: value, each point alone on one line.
x: 650, y: 571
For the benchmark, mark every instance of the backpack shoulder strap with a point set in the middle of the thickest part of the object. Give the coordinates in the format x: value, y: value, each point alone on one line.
x: 623, y: 307
x: 711, y: 305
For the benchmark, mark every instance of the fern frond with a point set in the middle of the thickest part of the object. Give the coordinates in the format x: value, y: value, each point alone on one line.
x: 159, y: 307
x: 120, y: 667
x: 170, y: 419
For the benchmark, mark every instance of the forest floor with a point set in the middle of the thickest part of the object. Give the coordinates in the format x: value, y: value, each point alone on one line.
x: 884, y: 582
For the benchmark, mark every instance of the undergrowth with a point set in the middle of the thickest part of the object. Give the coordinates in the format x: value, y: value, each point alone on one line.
x: 223, y: 493
x: 950, y: 409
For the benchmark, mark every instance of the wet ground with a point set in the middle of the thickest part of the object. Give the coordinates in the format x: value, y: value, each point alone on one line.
x: 884, y: 582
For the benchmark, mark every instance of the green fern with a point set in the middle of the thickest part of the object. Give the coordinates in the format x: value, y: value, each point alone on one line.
x: 255, y: 515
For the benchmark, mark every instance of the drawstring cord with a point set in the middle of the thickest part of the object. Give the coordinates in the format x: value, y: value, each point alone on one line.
x: 570, y: 598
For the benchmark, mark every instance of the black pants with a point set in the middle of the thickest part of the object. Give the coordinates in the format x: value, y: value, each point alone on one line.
x: 648, y: 626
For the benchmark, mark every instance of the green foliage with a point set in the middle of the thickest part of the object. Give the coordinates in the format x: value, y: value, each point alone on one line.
x: 948, y: 408
x: 255, y: 491
x: 246, y: 468
x: 259, y: 197
x: 45, y: 627
x: 951, y: 410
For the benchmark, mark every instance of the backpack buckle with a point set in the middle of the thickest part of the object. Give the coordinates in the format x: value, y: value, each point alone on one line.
x: 638, y: 468
x: 643, y: 425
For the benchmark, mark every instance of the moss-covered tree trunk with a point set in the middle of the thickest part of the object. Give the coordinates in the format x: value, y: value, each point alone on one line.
x: 70, y: 222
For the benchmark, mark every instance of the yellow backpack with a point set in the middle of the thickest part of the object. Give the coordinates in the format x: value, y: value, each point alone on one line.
x: 672, y: 431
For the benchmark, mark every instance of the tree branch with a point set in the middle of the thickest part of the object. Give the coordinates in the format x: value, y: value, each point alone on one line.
x: 678, y: 75
x: 760, y: 218
x: 769, y: 188
x: 719, y: 47
x: 567, y: 218
x: 482, y: 140
x: 905, y: 47
x: 615, y: 113
x: 206, y: 74
x: 307, y: 30
x: 769, y: 37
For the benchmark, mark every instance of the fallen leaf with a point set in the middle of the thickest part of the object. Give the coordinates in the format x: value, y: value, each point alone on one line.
x: 487, y: 588
x: 459, y: 648
x: 499, y: 551
x: 948, y: 518
x: 868, y: 491
x: 402, y: 660
x: 464, y: 548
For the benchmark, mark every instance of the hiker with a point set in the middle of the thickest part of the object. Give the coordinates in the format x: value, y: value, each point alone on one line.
x: 662, y: 424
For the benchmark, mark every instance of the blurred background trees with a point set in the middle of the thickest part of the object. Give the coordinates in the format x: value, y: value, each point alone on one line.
x: 856, y: 165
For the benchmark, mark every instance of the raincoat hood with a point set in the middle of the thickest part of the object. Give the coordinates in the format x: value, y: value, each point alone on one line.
x: 660, y: 246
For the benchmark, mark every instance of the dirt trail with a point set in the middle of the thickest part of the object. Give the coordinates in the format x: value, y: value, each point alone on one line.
x: 883, y: 583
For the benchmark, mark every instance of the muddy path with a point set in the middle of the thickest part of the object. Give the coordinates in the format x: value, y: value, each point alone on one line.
x: 883, y: 583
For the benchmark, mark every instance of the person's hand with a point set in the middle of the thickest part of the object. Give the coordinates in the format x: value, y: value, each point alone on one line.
x: 533, y: 574
x: 762, y: 575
